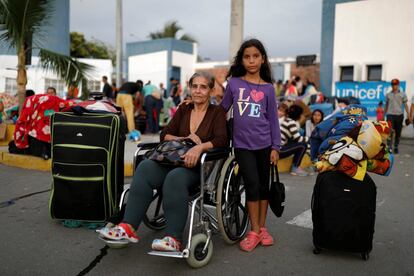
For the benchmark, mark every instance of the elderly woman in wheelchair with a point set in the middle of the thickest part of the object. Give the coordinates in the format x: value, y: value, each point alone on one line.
x: 205, y: 125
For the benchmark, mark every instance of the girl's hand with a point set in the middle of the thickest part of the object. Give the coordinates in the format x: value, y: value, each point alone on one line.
x: 186, y: 102
x: 195, y: 138
x: 192, y: 156
x: 274, y: 157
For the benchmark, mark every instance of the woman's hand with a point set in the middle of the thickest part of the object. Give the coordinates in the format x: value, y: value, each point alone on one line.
x: 195, y: 138
x: 192, y: 156
x: 274, y: 157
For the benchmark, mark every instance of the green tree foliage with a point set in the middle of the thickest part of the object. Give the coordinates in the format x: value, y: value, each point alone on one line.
x: 82, y: 48
x: 21, y: 19
x: 171, y: 30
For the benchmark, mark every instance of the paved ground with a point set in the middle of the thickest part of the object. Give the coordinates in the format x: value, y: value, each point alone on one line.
x: 32, y: 244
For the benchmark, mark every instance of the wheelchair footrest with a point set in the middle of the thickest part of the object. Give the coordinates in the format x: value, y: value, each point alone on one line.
x: 167, y: 254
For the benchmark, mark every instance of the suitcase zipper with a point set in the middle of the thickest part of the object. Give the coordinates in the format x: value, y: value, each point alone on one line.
x: 72, y: 178
x: 81, y: 124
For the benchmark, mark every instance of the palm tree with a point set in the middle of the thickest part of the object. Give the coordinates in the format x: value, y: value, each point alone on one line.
x: 23, y: 18
x: 171, y: 29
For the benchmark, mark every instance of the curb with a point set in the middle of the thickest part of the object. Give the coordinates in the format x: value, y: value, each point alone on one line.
x: 9, y: 135
x: 39, y: 164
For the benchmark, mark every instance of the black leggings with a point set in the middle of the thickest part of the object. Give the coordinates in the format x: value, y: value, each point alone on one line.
x: 297, y: 149
x: 254, y: 166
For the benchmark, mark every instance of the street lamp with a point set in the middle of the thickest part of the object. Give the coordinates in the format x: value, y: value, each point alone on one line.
x: 118, y: 42
x: 236, y: 27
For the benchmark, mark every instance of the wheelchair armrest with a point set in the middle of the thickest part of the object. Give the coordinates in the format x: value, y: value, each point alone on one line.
x: 215, y: 154
x: 145, y: 146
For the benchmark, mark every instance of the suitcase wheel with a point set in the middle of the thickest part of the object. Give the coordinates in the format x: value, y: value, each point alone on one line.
x: 317, y: 251
x: 365, y: 256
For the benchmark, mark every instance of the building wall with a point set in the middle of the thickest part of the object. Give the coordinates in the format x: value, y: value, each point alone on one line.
x: 327, y: 41
x: 307, y: 73
x: 55, y: 35
x: 36, y: 77
x: 185, y: 62
x: 150, y: 66
x: 375, y: 32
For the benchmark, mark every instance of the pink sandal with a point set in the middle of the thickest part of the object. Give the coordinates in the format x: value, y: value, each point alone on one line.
x: 250, y: 242
x: 266, y: 238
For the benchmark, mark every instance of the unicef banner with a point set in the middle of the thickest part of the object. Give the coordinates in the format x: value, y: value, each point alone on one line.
x: 369, y: 93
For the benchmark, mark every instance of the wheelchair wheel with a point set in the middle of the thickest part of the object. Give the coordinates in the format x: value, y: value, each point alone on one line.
x: 231, y: 209
x: 197, y: 257
x: 154, y: 218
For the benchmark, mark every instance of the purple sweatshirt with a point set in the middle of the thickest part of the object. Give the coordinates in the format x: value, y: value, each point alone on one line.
x: 256, y: 123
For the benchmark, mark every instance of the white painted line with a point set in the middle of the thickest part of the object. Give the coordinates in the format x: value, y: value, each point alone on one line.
x: 380, y: 203
x: 303, y: 220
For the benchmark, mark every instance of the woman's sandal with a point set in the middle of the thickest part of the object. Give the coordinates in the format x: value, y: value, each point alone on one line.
x: 122, y: 231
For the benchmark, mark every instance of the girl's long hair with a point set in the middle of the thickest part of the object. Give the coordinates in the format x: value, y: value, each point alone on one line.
x: 237, y: 69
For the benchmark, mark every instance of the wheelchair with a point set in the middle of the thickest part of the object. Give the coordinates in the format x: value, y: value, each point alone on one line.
x: 219, y: 203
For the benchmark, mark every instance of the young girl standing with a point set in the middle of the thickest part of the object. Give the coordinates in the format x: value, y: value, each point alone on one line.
x: 256, y: 132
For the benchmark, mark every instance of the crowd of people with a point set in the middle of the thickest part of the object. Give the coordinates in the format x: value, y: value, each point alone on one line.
x: 149, y: 107
x: 271, y: 121
x: 263, y: 132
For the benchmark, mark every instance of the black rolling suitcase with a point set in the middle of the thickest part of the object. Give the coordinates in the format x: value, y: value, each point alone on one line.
x: 87, y: 165
x: 343, y: 213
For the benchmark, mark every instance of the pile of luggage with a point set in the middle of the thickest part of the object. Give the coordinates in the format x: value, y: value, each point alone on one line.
x: 347, y: 145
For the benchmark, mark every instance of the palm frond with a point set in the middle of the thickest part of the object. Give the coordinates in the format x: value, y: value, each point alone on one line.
x: 23, y: 17
x: 67, y: 68
x: 188, y: 37
x: 171, y: 29
x: 156, y: 35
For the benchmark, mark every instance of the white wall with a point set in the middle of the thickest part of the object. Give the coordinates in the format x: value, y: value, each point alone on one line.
x: 36, y: 75
x: 376, y: 32
x: 146, y: 67
x: 187, y: 64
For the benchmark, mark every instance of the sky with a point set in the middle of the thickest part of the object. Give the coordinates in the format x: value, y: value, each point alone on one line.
x: 287, y: 27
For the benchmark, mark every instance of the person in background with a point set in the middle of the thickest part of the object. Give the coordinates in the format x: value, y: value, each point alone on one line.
x: 396, y: 102
x: 342, y: 104
x: 380, y: 112
x: 51, y: 91
x: 293, y: 143
x: 107, y: 89
x: 152, y: 96
x: 114, y: 89
x: 73, y: 91
x: 299, y: 85
x: 186, y: 92
x: 125, y: 100
x: 316, y: 118
x: 279, y: 88
x: 163, y: 91
x: 175, y: 91
x: 310, y: 89
x: 29, y: 92
x: 411, y: 117
x: 1, y: 110
x: 218, y: 94
x: 291, y: 89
